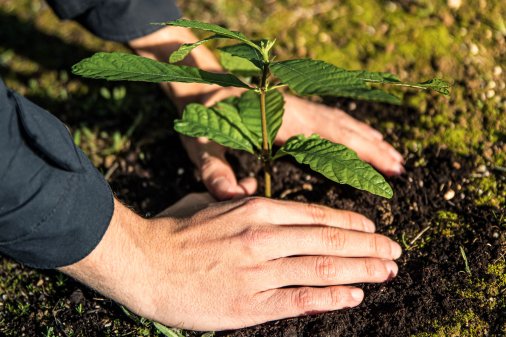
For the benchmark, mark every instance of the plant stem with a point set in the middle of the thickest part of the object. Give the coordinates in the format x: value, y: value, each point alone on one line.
x: 266, y: 151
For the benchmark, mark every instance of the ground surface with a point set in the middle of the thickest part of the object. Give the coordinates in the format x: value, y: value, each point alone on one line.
x: 456, y: 143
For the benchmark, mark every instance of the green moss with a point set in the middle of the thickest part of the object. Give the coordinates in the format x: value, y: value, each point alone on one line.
x: 447, y: 223
x: 490, y: 192
x: 462, y: 324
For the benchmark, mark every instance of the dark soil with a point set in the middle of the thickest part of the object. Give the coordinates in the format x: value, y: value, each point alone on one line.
x: 427, y: 294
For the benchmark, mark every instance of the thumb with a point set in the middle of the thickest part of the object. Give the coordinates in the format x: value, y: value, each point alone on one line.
x: 215, y: 171
x: 220, y: 180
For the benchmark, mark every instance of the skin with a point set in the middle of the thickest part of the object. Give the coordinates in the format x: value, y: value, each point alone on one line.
x: 301, y: 117
x: 204, y: 265
x: 227, y: 265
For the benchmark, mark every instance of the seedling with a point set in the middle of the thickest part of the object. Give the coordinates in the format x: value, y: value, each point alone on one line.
x: 250, y: 122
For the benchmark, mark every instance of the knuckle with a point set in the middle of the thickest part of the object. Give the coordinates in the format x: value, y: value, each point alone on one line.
x: 333, y: 238
x: 372, y: 269
x: 380, y: 245
x: 256, y: 236
x: 317, y: 213
x: 326, y: 268
x: 336, y: 297
x: 256, y: 206
x: 303, y: 298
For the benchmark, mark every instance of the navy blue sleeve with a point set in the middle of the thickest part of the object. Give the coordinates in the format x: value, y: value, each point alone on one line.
x: 117, y: 20
x: 54, y: 205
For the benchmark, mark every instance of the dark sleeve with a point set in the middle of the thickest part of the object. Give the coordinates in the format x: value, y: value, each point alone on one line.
x: 54, y: 205
x: 117, y: 20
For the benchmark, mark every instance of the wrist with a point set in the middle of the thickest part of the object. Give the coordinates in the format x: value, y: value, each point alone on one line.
x: 161, y: 44
x: 118, y: 267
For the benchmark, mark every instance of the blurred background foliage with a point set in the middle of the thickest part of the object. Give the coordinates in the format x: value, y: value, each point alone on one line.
x: 463, y: 42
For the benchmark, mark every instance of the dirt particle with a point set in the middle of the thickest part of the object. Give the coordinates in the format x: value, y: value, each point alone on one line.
x: 449, y: 195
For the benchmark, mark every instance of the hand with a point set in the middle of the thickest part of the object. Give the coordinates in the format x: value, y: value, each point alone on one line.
x: 301, y: 117
x: 238, y: 263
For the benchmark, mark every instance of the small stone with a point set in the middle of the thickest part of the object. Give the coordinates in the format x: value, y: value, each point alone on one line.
x: 497, y: 70
x: 180, y: 171
x: 449, y: 195
x: 454, y: 4
x: 456, y: 165
x: 473, y: 48
x: 491, y: 85
x: 307, y: 177
x: 352, y: 106
x: 307, y: 187
x: 495, y: 235
x: 40, y: 282
x: 481, y: 169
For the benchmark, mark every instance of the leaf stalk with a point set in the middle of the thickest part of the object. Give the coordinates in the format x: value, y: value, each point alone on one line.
x: 266, y: 151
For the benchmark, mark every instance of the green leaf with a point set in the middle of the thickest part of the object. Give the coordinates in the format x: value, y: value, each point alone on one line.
x: 238, y: 66
x: 128, y: 67
x: 210, y: 28
x: 336, y: 162
x: 245, y: 51
x: 435, y: 84
x: 311, y: 77
x: 169, y: 332
x: 220, y: 123
x: 249, y: 109
x: 186, y: 49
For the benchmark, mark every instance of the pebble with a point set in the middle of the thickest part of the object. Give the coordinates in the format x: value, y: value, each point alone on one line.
x: 449, y: 195
x: 456, y: 165
x: 495, y: 235
x: 180, y: 171
x: 481, y: 169
x: 497, y: 70
x: 454, y: 4
x: 473, y: 48
x: 307, y: 187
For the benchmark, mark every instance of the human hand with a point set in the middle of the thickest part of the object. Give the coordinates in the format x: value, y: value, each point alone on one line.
x: 238, y: 263
x: 301, y: 117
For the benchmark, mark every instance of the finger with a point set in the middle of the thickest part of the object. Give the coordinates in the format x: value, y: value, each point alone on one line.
x: 292, y: 302
x: 188, y: 205
x: 281, y: 212
x: 379, y: 153
x: 359, y: 127
x: 273, y: 242
x: 220, y: 179
x: 327, y: 270
x: 249, y: 185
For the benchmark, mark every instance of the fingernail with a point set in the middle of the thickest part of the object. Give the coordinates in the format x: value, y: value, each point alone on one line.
x: 392, y: 269
x: 221, y: 184
x: 377, y: 134
x: 357, y: 294
x: 398, y: 169
x: 369, y: 226
x: 396, y: 250
x: 394, y: 153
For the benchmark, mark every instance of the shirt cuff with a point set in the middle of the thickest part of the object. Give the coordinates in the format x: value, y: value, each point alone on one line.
x: 118, y: 20
x: 55, y: 206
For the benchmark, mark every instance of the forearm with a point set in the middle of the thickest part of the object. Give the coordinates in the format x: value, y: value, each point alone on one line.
x: 108, y: 268
x: 160, y: 44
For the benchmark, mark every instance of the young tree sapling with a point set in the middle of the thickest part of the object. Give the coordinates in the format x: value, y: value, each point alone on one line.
x: 250, y: 122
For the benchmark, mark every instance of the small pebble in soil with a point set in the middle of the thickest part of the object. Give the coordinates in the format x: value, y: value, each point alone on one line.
x: 495, y: 235
x: 449, y: 195
x: 481, y: 169
x: 456, y: 165
x: 180, y: 171
x: 454, y: 4
x: 307, y: 187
